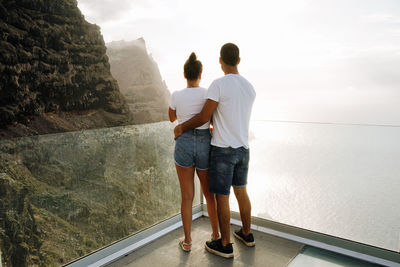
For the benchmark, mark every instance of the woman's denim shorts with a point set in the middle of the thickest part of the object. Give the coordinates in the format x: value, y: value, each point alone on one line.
x: 192, y: 149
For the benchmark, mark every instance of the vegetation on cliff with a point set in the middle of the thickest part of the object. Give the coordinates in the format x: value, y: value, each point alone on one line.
x: 65, y: 195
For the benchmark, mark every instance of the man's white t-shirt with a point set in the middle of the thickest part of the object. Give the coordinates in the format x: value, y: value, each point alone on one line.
x: 235, y: 96
x: 189, y: 102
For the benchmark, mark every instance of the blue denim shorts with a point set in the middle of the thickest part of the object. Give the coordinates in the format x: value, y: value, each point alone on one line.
x: 228, y: 167
x: 192, y: 149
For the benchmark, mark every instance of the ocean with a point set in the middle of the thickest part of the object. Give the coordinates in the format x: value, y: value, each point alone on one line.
x: 336, y: 179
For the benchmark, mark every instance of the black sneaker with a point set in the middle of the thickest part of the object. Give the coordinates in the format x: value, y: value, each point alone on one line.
x: 247, y: 240
x: 216, y: 248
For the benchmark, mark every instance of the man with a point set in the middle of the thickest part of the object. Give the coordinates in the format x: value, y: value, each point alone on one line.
x: 229, y: 103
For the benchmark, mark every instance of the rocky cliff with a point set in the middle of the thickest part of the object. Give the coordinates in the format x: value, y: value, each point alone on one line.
x: 140, y: 80
x: 65, y: 195
x: 54, y: 62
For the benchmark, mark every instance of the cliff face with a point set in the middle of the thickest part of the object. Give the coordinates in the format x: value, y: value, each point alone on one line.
x: 52, y: 60
x: 140, y: 80
x: 19, y: 237
x: 65, y: 195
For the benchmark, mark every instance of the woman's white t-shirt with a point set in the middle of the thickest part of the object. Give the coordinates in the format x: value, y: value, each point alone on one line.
x: 189, y: 102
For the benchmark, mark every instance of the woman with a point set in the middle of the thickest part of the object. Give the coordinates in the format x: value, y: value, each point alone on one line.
x: 192, y: 149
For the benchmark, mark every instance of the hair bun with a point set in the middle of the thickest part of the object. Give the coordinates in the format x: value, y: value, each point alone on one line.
x: 192, y: 68
x: 192, y: 57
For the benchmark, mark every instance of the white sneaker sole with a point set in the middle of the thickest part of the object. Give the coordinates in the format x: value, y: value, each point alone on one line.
x: 225, y: 255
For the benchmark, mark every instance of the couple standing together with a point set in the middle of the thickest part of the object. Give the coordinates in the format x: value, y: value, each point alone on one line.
x: 220, y: 159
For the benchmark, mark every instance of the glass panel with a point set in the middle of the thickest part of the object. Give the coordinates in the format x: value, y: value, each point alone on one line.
x: 341, y: 180
x: 66, y: 195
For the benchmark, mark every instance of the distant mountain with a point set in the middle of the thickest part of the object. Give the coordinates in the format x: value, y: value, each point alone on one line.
x: 139, y: 80
x: 54, y: 71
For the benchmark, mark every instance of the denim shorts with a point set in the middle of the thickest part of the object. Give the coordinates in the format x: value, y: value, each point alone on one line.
x: 192, y: 149
x: 228, y: 167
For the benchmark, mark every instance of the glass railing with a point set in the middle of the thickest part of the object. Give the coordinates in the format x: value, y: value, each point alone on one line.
x: 339, y: 180
x: 65, y: 195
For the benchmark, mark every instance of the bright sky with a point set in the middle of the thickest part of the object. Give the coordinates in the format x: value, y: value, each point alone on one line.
x: 309, y: 60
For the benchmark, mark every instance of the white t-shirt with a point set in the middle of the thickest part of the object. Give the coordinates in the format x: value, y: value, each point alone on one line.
x: 189, y: 102
x: 235, y: 96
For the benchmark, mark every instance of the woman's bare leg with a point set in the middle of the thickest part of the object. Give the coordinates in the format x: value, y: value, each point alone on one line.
x: 186, y: 181
x: 210, y: 199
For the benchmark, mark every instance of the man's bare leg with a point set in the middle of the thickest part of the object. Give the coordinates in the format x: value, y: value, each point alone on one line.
x: 224, y: 218
x: 244, y: 207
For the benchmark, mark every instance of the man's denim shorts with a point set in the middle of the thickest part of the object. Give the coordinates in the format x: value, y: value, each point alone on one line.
x: 228, y: 167
x: 192, y: 149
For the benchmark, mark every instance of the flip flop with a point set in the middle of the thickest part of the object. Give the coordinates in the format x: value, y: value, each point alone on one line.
x: 182, y: 244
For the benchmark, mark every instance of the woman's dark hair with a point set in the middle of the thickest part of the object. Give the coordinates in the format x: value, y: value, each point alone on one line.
x: 192, y: 67
x: 230, y: 54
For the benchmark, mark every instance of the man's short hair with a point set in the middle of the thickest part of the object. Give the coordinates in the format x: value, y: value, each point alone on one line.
x: 230, y: 54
